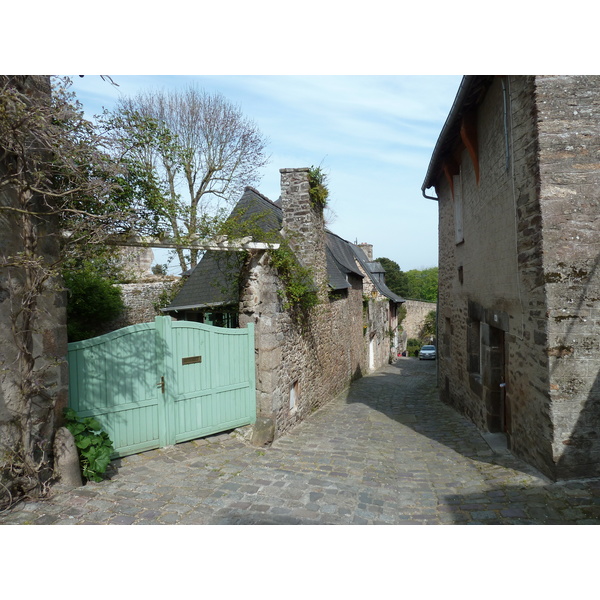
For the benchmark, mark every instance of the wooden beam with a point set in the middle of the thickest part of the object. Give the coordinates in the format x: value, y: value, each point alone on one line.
x: 221, y: 243
x: 468, y: 134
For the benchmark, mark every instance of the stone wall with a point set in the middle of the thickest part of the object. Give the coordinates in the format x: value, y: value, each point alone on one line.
x: 416, y: 313
x: 569, y: 133
x: 140, y: 298
x: 380, y: 320
x: 490, y: 297
x: 302, y: 363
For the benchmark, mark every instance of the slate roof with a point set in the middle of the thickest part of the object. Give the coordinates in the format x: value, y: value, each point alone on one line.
x: 213, y: 282
x: 375, y: 267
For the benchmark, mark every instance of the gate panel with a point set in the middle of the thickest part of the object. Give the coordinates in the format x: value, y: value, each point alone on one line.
x: 111, y: 379
x: 208, y: 374
x: 210, y: 395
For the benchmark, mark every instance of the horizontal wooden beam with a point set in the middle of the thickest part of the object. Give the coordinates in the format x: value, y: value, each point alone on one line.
x: 221, y: 243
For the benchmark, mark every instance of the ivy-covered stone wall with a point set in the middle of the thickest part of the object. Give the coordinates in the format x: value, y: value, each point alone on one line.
x: 50, y: 333
x: 303, y: 360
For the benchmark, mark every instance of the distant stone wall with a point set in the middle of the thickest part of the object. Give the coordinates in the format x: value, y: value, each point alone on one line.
x: 380, y: 320
x: 416, y: 313
x: 140, y: 298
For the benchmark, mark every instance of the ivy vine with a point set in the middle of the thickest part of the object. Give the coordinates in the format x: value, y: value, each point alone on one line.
x: 299, y: 290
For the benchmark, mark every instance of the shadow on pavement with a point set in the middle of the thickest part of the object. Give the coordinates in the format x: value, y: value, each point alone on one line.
x: 406, y: 392
x: 576, y: 503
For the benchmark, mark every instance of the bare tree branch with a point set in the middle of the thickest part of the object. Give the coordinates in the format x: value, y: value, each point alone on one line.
x: 200, y: 149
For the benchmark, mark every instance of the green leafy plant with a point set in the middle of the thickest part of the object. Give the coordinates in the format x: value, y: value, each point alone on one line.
x: 413, y: 346
x: 429, y: 327
x: 401, y: 317
x: 317, y: 191
x: 299, y: 289
x: 93, y: 302
x: 93, y: 444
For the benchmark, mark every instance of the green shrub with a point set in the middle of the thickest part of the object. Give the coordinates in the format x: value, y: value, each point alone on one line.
x: 413, y: 346
x: 93, y: 444
x: 93, y: 302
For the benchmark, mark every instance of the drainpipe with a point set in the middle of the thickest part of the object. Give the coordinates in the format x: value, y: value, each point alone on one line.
x: 428, y: 197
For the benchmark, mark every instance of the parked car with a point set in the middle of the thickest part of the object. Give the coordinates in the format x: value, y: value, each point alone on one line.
x: 427, y: 353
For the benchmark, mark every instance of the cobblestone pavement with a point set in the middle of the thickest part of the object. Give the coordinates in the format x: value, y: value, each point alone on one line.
x: 386, y: 452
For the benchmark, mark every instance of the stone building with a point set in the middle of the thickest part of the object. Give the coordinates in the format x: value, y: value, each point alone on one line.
x: 300, y: 363
x: 381, y: 307
x: 517, y: 178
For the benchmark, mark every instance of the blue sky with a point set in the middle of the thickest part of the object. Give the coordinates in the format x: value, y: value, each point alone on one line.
x: 372, y: 135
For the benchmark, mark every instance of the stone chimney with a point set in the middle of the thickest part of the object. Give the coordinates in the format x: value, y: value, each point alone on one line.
x: 303, y: 223
x: 368, y: 250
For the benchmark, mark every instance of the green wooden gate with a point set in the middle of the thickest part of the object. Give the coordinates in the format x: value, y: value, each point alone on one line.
x: 156, y: 384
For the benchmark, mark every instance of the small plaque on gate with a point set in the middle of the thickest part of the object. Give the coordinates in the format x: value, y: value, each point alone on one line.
x: 191, y: 360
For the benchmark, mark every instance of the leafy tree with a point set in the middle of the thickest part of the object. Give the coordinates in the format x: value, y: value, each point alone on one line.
x: 196, y: 150
x: 395, y: 279
x: 423, y: 284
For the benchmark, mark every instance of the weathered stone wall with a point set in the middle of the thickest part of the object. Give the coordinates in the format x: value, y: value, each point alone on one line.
x: 50, y: 335
x: 310, y: 359
x: 416, y: 313
x: 380, y: 332
x: 569, y: 132
x: 304, y: 225
x: 140, y: 298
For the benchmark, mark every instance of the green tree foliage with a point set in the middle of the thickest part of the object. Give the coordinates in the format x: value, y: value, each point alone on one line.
x: 422, y: 285
x: 93, y: 301
x: 395, y: 279
x: 414, y: 284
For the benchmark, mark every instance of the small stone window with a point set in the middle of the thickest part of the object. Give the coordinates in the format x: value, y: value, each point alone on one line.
x: 293, y: 396
x: 474, y: 347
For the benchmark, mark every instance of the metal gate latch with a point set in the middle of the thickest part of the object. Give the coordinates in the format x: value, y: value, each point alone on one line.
x: 161, y: 384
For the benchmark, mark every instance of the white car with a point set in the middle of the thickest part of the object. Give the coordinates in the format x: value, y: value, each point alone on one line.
x: 427, y: 353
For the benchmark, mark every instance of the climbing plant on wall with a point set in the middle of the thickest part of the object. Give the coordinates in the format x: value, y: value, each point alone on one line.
x: 318, y: 190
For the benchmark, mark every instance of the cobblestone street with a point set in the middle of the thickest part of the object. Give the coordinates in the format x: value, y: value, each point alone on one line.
x: 386, y: 452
